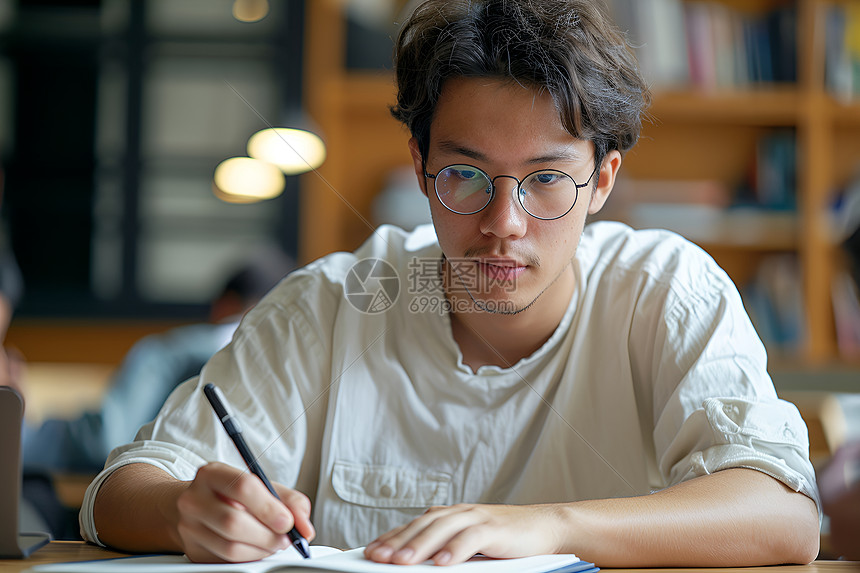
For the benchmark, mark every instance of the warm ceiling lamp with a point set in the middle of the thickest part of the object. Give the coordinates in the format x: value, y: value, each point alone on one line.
x: 247, y: 180
x: 294, y: 151
x: 250, y: 10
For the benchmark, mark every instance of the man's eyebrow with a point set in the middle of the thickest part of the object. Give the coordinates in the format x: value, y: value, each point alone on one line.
x: 558, y: 156
x: 453, y: 147
x: 567, y: 153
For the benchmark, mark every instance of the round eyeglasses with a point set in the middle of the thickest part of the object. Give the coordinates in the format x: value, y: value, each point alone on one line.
x: 546, y: 194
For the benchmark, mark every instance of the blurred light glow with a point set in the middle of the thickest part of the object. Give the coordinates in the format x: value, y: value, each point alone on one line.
x: 246, y: 180
x: 294, y: 151
x: 250, y: 10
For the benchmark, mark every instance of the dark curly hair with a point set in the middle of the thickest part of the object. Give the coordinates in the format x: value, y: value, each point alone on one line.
x: 568, y: 47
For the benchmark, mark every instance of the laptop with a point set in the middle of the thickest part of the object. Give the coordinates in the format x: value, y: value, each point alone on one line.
x: 13, y: 543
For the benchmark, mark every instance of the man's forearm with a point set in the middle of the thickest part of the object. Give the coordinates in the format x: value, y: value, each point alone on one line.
x: 736, y: 517
x: 135, y: 509
x: 223, y: 514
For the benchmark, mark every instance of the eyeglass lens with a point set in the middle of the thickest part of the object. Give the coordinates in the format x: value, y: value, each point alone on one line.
x: 544, y: 194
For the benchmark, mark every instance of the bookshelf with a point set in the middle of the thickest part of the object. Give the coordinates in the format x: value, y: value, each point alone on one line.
x: 695, y: 133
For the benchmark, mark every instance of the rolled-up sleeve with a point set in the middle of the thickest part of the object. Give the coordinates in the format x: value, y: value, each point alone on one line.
x: 176, y: 461
x: 768, y: 436
x: 714, y: 403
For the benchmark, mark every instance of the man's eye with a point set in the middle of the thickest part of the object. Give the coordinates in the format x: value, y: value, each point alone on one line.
x: 546, y: 178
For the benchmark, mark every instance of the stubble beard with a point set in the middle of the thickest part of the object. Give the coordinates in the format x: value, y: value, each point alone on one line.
x: 497, y: 308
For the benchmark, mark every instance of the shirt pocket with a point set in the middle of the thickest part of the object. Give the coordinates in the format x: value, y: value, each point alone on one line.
x: 389, y: 486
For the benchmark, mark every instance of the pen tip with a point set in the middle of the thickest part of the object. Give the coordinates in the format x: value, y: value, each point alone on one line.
x: 301, y: 546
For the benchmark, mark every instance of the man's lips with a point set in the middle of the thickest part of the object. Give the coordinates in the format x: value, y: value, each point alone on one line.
x: 501, y: 269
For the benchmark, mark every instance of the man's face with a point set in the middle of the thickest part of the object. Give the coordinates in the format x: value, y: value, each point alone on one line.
x: 502, y: 254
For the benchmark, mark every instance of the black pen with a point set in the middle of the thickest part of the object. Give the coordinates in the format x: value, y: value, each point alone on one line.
x: 235, y: 433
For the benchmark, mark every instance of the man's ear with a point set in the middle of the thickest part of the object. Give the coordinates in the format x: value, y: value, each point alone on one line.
x: 608, y: 171
x: 418, y: 163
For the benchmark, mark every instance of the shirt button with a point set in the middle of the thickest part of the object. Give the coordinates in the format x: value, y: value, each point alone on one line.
x: 731, y: 410
x: 386, y: 491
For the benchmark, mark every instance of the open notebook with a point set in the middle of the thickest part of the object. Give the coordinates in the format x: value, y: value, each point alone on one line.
x: 322, y: 559
x: 13, y: 543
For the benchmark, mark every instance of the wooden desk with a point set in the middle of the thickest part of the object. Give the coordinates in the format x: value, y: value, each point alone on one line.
x: 58, y: 551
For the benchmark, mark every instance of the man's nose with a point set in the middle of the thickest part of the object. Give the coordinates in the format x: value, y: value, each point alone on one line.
x: 504, y: 217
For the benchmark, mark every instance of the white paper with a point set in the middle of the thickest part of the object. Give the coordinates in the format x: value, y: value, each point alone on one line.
x: 322, y: 558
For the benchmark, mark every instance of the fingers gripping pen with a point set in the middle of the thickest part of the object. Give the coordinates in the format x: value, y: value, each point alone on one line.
x: 235, y: 433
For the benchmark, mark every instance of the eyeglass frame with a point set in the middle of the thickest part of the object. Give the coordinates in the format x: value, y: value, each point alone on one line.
x: 492, y: 181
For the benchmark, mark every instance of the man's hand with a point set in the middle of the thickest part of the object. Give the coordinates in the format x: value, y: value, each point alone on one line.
x: 450, y: 535
x: 224, y: 514
x: 732, y: 518
x: 227, y: 514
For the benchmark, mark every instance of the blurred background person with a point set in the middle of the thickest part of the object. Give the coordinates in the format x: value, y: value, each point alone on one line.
x: 153, y: 367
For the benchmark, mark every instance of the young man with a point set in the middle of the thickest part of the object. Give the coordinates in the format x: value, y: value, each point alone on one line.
x: 538, y: 387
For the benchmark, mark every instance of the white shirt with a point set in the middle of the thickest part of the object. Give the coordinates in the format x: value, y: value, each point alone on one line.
x: 654, y: 376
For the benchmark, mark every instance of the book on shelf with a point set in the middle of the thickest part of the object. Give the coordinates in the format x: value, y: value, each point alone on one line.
x: 846, y: 292
x: 699, y: 36
x: 846, y: 313
x: 842, y: 50
x: 775, y: 171
x: 709, y: 45
x: 774, y: 302
x: 781, y: 26
x: 653, y: 29
x: 845, y: 219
